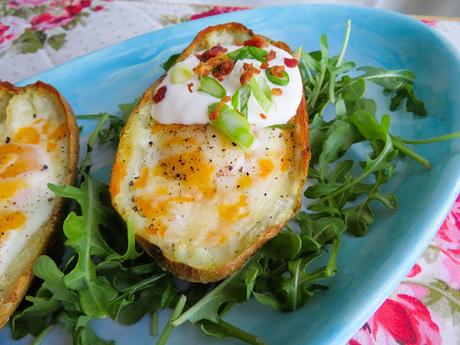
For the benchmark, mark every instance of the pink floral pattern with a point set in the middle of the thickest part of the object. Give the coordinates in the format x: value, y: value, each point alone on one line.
x: 410, y: 316
x: 210, y: 11
x: 18, y: 4
x: 32, y: 24
x: 11, y: 27
x: 402, y: 320
x: 217, y: 10
x: 429, y: 22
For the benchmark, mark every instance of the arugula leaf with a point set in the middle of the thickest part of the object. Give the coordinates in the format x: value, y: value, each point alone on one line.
x: 162, y: 340
x: 338, y: 139
x: 131, y: 252
x: 233, y: 289
x: 170, y: 62
x: 353, y: 91
x: 38, y: 316
x: 398, y: 81
x: 413, y: 104
x: 388, y: 79
x: 286, y: 282
x: 224, y: 329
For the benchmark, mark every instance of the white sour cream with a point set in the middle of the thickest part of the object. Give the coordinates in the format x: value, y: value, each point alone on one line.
x: 180, y: 106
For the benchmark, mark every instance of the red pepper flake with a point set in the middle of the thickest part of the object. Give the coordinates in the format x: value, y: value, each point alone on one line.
x: 291, y: 62
x: 189, y: 87
x: 270, y: 56
x: 214, y: 114
x: 264, y: 65
x: 263, y: 116
x: 160, y: 94
x: 276, y: 91
x: 256, y: 41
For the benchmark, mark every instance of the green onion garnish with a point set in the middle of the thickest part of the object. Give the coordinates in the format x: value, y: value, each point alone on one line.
x: 248, y: 52
x: 212, y: 87
x: 240, y: 99
x: 232, y: 124
x: 180, y: 73
x: 284, y: 80
x: 262, y: 92
x: 257, y: 53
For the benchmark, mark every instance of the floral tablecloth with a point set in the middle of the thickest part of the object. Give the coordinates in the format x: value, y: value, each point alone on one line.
x: 38, y: 34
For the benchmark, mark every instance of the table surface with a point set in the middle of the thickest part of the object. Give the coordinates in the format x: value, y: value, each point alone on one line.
x: 38, y: 34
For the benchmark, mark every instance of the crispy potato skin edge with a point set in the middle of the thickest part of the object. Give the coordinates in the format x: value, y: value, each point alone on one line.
x: 182, y: 270
x: 11, y: 298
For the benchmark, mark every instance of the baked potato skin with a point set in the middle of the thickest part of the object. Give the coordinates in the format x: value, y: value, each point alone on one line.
x: 238, y: 34
x: 20, y: 275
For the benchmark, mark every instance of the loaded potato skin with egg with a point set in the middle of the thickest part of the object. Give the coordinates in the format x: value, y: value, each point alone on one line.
x: 203, y: 202
x: 38, y: 145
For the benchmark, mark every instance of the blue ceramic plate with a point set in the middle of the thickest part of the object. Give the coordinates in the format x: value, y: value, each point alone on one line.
x: 370, y: 267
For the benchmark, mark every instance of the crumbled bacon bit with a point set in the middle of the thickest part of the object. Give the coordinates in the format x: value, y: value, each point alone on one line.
x: 223, y: 69
x: 189, y: 87
x: 160, y: 94
x: 248, y: 71
x: 277, y: 71
x: 263, y: 116
x: 291, y: 62
x: 215, y: 113
x: 212, y: 52
x: 256, y: 41
x: 276, y: 91
x: 270, y: 56
x: 264, y: 65
x: 205, y: 68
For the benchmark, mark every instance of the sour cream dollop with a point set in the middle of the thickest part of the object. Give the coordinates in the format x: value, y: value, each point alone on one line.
x: 184, y: 104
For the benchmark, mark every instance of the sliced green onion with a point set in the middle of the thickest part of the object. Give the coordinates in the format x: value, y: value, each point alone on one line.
x: 212, y: 87
x: 284, y: 80
x: 239, y: 54
x: 232, y: 124
x: 248, y: 52
x: 262, y: 92
x: 257, y: 53
x: 180, y: 73
x: 240, y: 99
